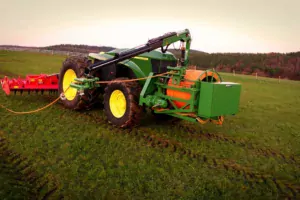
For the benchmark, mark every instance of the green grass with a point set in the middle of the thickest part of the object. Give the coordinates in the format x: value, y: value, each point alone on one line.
x: 10, y: 188
x: 22, y: 63
x: 84, y: 157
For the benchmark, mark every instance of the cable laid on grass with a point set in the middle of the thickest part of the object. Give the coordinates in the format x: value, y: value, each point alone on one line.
x: 30, y: 112
x: 57, y: 99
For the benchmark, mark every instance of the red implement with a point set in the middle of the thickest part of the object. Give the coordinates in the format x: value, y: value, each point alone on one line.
x: 42, y: 82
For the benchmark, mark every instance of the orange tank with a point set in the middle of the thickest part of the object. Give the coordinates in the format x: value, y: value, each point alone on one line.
x: 190, y: 75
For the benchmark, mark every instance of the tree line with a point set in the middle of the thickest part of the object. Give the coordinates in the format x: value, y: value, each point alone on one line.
x: 285, y: 65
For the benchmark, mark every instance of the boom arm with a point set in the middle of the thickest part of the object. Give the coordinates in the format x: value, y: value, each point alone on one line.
x: 152, y: 44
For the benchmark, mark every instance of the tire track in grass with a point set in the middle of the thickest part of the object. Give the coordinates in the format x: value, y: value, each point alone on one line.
x: 266, y: 152
x: 22, y: 173
x: 286, y: 188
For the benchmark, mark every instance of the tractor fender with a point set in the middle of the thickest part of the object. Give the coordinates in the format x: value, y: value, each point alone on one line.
x: 134, y: 67
x: 99, y: 56
x: 137, y: 72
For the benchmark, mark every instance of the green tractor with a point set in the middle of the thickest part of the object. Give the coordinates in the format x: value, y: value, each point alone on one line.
x: 131, y: 80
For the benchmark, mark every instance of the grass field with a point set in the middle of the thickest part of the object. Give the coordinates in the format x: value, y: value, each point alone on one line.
x: 76, y: 155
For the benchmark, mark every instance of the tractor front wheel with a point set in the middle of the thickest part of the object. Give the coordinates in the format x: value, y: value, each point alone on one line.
x: 73, y: 67
x: 121, y: 103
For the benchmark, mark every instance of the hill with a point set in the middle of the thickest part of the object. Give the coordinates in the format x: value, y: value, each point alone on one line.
x: 285, y: 65
x: 78, y: 48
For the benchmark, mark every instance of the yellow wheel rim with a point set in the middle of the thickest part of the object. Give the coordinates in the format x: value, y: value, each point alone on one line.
x: 117, y: 103
x: 69, y: 76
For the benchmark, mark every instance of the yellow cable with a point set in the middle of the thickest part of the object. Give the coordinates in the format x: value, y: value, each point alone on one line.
x: 53, y: 102
x: 135, y: 79
x: 33, y: 111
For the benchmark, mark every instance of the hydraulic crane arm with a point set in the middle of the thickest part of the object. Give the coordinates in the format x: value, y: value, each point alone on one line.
x: 152, y: 44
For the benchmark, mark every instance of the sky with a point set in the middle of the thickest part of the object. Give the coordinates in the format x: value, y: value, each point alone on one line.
x: 254, y: 26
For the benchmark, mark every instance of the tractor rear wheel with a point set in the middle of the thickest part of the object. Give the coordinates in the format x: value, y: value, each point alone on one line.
x: 73, y: 67
x: 121, y: 103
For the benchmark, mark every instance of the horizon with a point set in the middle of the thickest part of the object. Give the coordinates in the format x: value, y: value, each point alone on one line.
x: 158, y: 49
x: 226, y: 27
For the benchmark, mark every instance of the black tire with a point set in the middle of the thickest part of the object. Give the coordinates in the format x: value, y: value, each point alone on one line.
x: 133, y: 113
x: 78, y: 64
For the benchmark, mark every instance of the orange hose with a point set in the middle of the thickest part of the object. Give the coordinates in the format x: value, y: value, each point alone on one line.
x: 29, y: 112
x: 190, y: 75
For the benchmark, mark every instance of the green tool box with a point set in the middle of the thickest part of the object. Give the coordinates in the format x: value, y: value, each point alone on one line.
x: 217, y: 99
